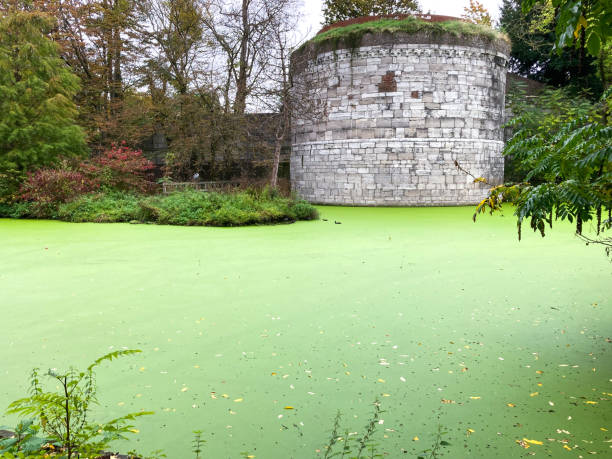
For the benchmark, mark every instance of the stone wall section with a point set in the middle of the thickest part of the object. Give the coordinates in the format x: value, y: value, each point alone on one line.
x: 397, y: 118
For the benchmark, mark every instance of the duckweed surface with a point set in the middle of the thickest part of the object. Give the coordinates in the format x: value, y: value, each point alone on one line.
x: 258, y: 335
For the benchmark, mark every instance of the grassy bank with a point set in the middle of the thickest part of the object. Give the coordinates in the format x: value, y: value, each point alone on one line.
x: 185, y: 208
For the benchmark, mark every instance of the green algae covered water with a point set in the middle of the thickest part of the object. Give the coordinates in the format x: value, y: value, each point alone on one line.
x: 257, y: 336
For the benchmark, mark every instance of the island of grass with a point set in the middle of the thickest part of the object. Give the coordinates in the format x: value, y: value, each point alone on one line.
x: 185, y: 208
x: 421, y: 29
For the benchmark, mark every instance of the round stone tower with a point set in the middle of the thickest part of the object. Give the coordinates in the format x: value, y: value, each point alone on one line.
x: 406, y: 118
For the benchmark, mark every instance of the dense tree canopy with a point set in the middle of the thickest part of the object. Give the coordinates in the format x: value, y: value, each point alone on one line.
x: 533, y: 38
x: 341, y: 10
x: 37, y: 112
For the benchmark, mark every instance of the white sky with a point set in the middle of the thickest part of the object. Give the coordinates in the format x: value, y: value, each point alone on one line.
x: 313, y: 11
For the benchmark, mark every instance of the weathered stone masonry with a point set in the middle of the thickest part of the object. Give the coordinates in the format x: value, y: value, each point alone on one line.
x: 400, y: 111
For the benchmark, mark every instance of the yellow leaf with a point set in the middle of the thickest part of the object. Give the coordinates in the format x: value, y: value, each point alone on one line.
x: 540, y: 372
x: 567, y: 447
x: 582, y: 23
x: 381, y: 380
x: 288, y: 407
x: 386, y: 395
x: 415, y: 439
x: 238, y: 400
x: 603, y: 428
x: 470, y: 431
x: 134, y: 430
x: 511, y: 405
x: 224, y: 395
x: 589, y: 402
x: 273, y: 373
x: 475, y: 398
x: 184, y: 389
x: 532, y: 442
x: 533, y: 394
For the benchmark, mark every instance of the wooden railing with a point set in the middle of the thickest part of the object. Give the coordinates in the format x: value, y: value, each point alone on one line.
x: 169, y: 187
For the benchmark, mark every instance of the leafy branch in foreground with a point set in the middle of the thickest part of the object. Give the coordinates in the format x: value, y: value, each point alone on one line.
x: 572, y: 160
x: 62, y: 413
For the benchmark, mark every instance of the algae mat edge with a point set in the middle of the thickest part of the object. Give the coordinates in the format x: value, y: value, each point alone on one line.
x: 435, y: 316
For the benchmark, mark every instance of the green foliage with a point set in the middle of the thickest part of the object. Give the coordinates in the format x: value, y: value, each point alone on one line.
x: 187, y: 208
x: 197, y: 443
x: 352, y: 445
x: 438, y: 445
x: 532, y: 35
x: 341, y: 10
x: 575, y: 17
x: 63, y: 410
x: 15, y: 209
x: 25, y: 439
x: 543, y: 115
x: 109, y: 207
x: 354, y: 32
x: 37, y: 113
x: 224, y: 209
x: 570, y: 155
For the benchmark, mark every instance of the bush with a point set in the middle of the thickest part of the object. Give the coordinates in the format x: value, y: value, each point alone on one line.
x: 100, y: 208
x: 15, y: 209
x: 47, y: 188
x: 224, y: 209
x: 121, y: 169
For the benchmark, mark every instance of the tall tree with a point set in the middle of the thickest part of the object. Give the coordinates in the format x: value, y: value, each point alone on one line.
x: 477, y: 14
x: 341, y: 10
x: 37, y: 112
x: 532, y: 35
x: 585, y: 23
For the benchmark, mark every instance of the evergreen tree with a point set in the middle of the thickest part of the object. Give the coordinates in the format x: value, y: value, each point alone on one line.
x: 37, y: 112
x: 341, y: 10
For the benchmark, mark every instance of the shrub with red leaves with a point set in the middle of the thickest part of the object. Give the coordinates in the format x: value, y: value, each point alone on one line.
x: 48, y: 187
x: 121, y: 168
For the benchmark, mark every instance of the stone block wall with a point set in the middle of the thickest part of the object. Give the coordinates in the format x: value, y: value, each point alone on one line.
x: 398, y: 116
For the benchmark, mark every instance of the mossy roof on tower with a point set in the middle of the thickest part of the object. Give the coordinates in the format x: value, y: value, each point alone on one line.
x: 408, y: 29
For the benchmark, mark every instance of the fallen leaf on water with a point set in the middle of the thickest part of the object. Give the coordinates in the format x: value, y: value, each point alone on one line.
x: 225, y: 396
x: 238, y: 400
x: 589, y: 402
x: 134, y: 430
x: 288, y: 407
x: 523, y: 444
x: 447, y: 402
x: 381, y: 380
x: 567, y: 447
x: 470, y: 431
x: 475, y: 398
x: 184, y: 389
x: 603, y: 428
x: 533, y: 394
x: 386, y: 395
x: 415, y: 439
x: 540, y: 372
x: 532, y: 442
x: 273, y: 373
x: 511, y: 405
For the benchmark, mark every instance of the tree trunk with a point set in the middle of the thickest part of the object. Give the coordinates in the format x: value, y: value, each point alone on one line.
x: 241, y: 80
